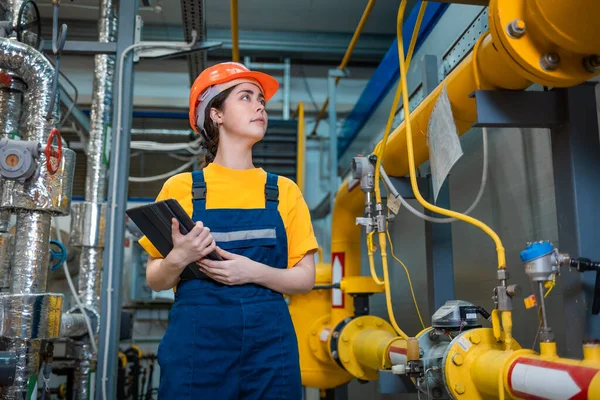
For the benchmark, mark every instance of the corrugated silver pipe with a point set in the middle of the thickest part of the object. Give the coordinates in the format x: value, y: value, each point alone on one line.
x: 104, y: 71
x: 90, y: 259
x: 81, y: 381
x: 11, y: 107
x: 10, y: 9
x: 73, y: 325
x: 37, y: 73
x: 11, y: 103
x: 30, y: 260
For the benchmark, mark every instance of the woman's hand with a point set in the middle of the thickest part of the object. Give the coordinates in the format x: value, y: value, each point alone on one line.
x: 193, y: 246
x: 233, y: 270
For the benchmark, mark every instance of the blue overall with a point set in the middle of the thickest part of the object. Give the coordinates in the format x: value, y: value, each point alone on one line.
x: 233, y: 342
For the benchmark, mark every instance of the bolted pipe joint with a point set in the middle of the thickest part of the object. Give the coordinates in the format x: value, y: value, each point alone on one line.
x: 516, y: 28
x: 592, y: 63
x: 550, y: 61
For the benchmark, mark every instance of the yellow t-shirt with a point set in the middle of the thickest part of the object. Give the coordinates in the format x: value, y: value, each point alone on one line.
x: 229, y: 188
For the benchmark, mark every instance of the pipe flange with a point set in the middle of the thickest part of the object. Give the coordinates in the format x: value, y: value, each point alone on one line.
x: 318, y: 334
x: 460, y: 355
x: 432, y: 343
x: 345, y: 344
x: 528, y: 51
x: 334, y: 340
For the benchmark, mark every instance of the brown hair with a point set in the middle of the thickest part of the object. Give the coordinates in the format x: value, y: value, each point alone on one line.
x: 210, y: 134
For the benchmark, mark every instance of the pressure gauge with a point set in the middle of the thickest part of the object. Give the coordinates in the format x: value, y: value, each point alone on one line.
x: 17, y: 158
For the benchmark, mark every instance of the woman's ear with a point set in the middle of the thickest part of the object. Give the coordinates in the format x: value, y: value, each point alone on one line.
x: 216, y: 116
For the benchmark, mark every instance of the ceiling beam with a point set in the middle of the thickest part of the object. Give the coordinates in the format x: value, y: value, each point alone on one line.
x: 309, y: 47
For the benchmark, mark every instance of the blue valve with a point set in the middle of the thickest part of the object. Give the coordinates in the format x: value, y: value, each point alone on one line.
x: 58, y: 255
x: 536, y: 250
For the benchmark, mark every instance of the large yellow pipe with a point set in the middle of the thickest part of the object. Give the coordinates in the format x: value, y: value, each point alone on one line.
x: 535, y: 375
x: 371, y: 348
x: 569, y: 29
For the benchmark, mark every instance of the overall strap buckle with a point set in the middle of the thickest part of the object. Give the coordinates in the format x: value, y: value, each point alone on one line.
x: 271, y: 191
x: 199, y: 190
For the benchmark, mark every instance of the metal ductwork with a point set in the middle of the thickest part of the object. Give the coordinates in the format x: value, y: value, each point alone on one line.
x: 28, y: 314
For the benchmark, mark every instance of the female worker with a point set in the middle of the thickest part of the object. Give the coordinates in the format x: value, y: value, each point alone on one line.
x: 230, y: 335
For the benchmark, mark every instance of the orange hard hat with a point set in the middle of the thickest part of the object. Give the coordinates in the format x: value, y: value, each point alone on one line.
x: 215, y: 79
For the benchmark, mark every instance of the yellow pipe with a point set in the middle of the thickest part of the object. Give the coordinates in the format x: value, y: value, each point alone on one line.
x: 386, y: 281
x: 382, y: 235
x: 498, y: 71
x: 301, y: 151
x: 388, y: 127
x: 548, y: 349
x: 349, y: 202
x: 345, y: 239
x: 310, y: 316
x: 412, y: 166
x: 347, y: 55
x: 567, y: 28
x: 370, y: 253
x: 371, y: 348
x: 235, y: 52
x: 507, y: 325
x: 591, y: 351
x: 520, y: 372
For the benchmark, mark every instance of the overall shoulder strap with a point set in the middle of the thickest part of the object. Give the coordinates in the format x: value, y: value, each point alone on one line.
x: 198, y: 190
x: 271, y: 191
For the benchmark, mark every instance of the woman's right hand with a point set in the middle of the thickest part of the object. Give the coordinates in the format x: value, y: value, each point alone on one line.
x: 193, y: 246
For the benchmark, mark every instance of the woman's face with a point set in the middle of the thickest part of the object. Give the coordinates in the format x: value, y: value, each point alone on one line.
x: 244, y: 114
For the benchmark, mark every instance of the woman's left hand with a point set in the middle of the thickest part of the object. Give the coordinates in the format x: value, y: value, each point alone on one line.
x: 233, y: 270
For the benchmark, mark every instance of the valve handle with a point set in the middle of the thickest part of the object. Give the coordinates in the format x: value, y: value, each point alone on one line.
x: 50, y: 152
x: 60, y: 255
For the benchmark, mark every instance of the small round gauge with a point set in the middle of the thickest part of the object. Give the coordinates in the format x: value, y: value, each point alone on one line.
x: 12, y: 160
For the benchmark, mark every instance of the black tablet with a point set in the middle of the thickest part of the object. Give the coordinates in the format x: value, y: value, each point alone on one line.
x: 154, y: 220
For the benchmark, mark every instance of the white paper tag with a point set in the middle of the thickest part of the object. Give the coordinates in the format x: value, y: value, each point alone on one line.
x: 464, y: 343
x: 324, y: 334
x: 444, y: 147
x: 393, y: 204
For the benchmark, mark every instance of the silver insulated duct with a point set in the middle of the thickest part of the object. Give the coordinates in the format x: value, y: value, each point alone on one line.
x: 87, y: 223
x: 29, y: 315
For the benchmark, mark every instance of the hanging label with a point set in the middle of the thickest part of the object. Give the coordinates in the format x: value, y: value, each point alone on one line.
x: 530, y: 301
x: 442, y: 139
x: 337, y: 273
x: 393, y: 203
